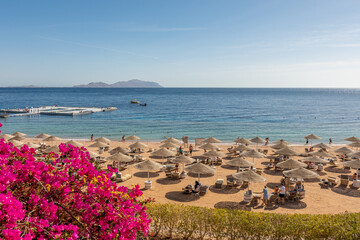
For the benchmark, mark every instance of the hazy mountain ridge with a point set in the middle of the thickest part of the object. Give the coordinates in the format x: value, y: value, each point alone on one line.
x: 134, y: 83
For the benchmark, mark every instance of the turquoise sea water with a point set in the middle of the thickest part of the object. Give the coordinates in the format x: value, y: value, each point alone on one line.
x: 195, y: 112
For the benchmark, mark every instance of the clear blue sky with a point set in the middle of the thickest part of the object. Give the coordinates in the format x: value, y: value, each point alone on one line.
x: 187, y: 43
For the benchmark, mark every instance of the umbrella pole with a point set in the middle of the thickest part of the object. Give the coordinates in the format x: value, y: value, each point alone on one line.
x: 198, y: 177
x: 149, y: 176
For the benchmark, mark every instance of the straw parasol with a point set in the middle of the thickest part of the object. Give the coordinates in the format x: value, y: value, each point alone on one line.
x: 20, y: 134
x: 315, y: 159
x: 138, y: 145
x: 199, y: 168
x: 242, y: 148
x: 98, y: 145
x: 242, y: 141
x: 169, y: 145
x: 253, y: 154
x: 118, y: 150
x: 257, y: 140
x: 33, y: 145
x: 352, y: 139
x: 355, y: 164
x: 132, y: 138
x: 74, y: 143
x: 312, y: 137
x: 344, y: 150
x: 212, y: 140
x: 119, y: 157
x: 163, y: 152
x: 171, y: 140
x: 291, y: 164
x: 249, y: 176
x: 213, y: 153
x: 16, y: 143
x: 42, y: 135
x: 240, y: 162
x: 322, y: 145
x: 354, y: 144
x: 148, y: 166
x: 209, y: 146
x: 279, y: 145
x: 93, y: 155
x: 287, y: 151
x: 321, y: 153
x: 281, y: 141
x: 51, y: 139
x: 103, y: 140
x: 54, y: 149
x: 17, y: 138
x: 300, y: 173
x: 6, y: 136
x: 183, y: 159
x: 355, y: 155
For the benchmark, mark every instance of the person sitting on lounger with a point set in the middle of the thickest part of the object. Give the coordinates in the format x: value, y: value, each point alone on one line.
x: 196, y: 187
x: 276, y: 190
x: 354, y: 176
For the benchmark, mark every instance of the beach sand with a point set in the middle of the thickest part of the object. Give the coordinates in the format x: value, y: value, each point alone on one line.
x: 318, y: 200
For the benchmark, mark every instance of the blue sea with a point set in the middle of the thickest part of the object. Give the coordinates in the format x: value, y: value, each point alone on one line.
x: 195, y: 112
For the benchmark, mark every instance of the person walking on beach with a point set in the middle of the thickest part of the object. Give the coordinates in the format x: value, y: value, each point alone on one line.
x: 123, y: 138
x: 92, y: 137
x: 282, y: 193
x: 266, y: 141
x: 190, y: 149
x: 330, y: 141
x: 307, y: 141
x: 265, y: 196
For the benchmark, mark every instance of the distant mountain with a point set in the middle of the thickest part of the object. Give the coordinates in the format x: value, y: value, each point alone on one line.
x: 134, y: 83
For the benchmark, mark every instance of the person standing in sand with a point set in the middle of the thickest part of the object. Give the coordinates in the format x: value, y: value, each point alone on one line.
x: 282, y: 193
x: 265, y: 196
x: 92, y: 137
x: 123, y: 138
x: 190, y: 149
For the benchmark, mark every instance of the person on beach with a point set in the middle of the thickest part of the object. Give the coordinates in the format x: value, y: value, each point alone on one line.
x: 330, y: 141
x: 92, y: 137
x: 190, y: 149
x: 123, y: 138
x: 181, y: 151
x: 307, y: 141
x: 196, y: 187
x: 282, y: 193
x: 265, y: 196
x: 266, y: 141
x: 354, y: 176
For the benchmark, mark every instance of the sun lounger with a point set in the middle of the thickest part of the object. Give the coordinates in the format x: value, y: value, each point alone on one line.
x: 203, y: 190
x: 274, y: 199
x: 332, y: 181
x: 293, y: 196
x: 344, y: 180
x: 219, y: 183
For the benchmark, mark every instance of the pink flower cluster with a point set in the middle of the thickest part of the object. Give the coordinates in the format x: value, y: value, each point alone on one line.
x: 71, y: 201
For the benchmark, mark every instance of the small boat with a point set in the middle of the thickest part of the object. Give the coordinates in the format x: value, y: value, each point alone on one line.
x: 143, y: 104
x: 135, y: 101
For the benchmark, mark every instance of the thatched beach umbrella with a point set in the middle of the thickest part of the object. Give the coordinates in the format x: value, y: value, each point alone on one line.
x: 352, y: 139
x: 132, y: 138
x: 148, y: 165
x: 242, y: 141
x: 6, y: 136
x: 355, y: 155
x: 253, y: 154
x: 312, y: 137
x: 257, y: 141
x: 209, y: 146
x: 212, y: 140
x: 242, y: 148
x: 118, y: 150
x: 322, y: 145
x: 93, y: 155
x: 199, y: 168
x: 163, y: 152
x: 279, y: 145
x: 300, y: 173
x: 184, y: 160
x: 17, y: 138
x: 54, y: 149
x: 321, y: 153
x: 171, y: 140
x: 169, y: 145
x: 43, y: 135
x: 52, y: 139
x: 98, y: 145
x: 33, y: 145
x: 240, y: 163
x: 344, y: 150
x: 119, y: 157
x: 315, y: 159
x: 103, y: 140
x: 355, y: 164
x: 290, y: 164
x: 16, y: 143
x: 287, y: 151
x: 354, y: 144
x: 281, y: 141
x: 249, y: 176
x: 138, y: 145
x: 213, y: 153
x: 18, y: 134
x: 74, y: 143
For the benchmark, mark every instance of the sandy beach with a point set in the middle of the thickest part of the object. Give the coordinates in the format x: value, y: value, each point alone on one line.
x: 318, y: 200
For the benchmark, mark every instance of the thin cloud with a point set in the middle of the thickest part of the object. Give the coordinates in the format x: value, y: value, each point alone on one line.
x: 98, y: 47
x: 159, y: 29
